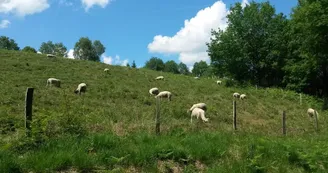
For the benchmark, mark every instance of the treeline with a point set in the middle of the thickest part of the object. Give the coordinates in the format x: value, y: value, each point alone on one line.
x: 84, y: 48
x: 199, y: 68
x: 260, y: 46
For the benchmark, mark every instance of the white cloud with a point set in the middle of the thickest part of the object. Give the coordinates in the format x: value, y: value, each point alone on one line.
x: 124, y: 62
x: 23, y: 7
x: 107, y: 59
x: 70, y: 54
x: 189, y: 41
x: 89, y: 3
x: 114, y: 60
x: 4, y: 24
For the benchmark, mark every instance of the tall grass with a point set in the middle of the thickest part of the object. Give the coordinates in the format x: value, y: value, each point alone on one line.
x: 221, y: 152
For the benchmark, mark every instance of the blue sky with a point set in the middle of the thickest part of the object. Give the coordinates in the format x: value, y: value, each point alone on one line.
x: 127, y: 28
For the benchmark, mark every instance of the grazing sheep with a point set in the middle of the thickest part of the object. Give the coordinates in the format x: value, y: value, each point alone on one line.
x: 53, y: 81
x: 106, y: 70
x: 164, y: 94
x: 236, y: 95
x: 219, y: 82
x: 198, y: 105
x: 51, y: 55
x: 160, y: 78
x: 198, y: 112
x: 311, y: 111
x: 82, y: 87
x: 243, y: 96
x: 153, y: 91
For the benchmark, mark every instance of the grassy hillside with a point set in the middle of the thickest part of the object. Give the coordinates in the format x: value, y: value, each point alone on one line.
x: 115, y: 118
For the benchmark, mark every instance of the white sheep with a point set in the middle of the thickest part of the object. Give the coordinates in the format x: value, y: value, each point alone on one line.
x: 160, y: 78
x: 106, y: 70
x: 53, y: 81
x: 153, y: 91
x: 236, y: 95
x: 243, y: 96
x: 219, y: 82
x: 196, y: 77
x: 311, y: 111
x: 198, y: 112
x: 82, y: 87
x: 164, y: 94
x: 198, y: 105
x: 51, y: 55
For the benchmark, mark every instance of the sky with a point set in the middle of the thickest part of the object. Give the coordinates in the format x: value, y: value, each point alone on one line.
x: 130, y: 30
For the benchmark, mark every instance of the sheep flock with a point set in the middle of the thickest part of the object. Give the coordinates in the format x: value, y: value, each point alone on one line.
x: 197, y: 110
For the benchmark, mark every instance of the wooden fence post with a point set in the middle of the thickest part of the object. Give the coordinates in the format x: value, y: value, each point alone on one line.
x: 284, y: 132
x: 316, y: 121
x: 157, y: 120
x: 28, y: 110
x: 234, y: 115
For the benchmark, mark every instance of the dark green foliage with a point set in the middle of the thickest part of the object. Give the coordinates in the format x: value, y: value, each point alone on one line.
x: 47, y: 48
x: 100, y: 48
x: 155, y: 63
x: 57, y: 49
x: 171, y: 66
x: 29, y: 49
x: 86, y: 50
x: 60, y: 50
x: 307, y: 70
x: 7, y: 43
x: 183, y: 69
x: 133, y: 64
x: 200, y: 68
x: 253, y: 47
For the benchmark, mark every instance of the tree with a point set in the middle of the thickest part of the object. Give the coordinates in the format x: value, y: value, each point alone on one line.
x: 29, y: 49
x: 155, y: 63
x: 253, y: 46
x: 47, y: 48
x: 7, y: 43
x: 134, y: 64
x: 307, y: 70
x: 199, y: 68
x: 100, y: 48
x: 171, y: 66
x: 183, y: 69
x: 84, y: 49
x: 127, y: 64
x: 210, y: 71
x: 60, y: 50
x: 57, y: 49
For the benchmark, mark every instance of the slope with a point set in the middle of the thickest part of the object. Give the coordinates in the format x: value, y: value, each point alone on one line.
x: 118, y: 103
